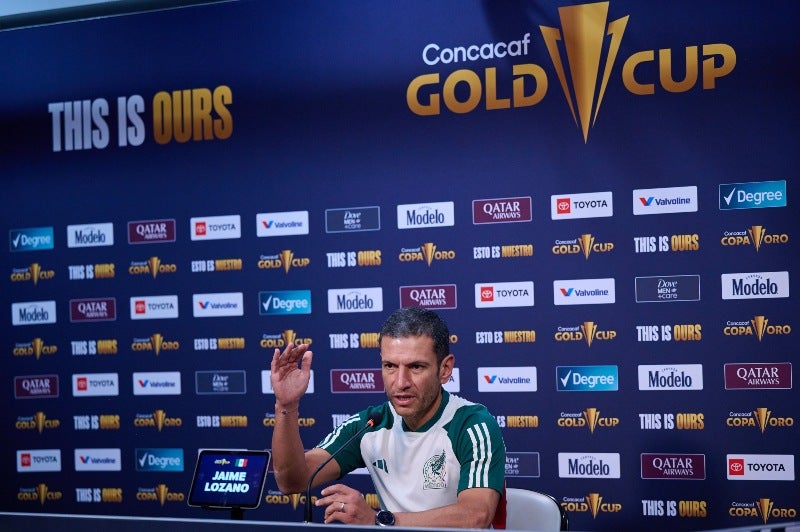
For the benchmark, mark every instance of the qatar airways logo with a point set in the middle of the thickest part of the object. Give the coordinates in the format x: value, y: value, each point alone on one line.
x: 154, y: 307
x: 215, y: 227
x: 502, y: 210
x: 494, y: 295
x: 101, y: 309
x: 664, y: 200
x: 429, y: 296
x: 656, y: 466
x: 758, y: 376
x: 589, y: 205
x: 151, y: 231
x: 356, y: 381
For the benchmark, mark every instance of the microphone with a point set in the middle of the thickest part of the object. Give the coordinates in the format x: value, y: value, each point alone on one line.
x: 373, y: 420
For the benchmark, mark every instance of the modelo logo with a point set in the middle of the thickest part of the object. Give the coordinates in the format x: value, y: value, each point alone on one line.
x: 33, y: 313
x: 588, y: 465
x: 417, y: 215
x: 284, y: 302
x: 30, y: 239
x: 677, y: 377
x: 347, y: 300
x: 90, y: 235
x: 755, y: 285
x: 151, y: 231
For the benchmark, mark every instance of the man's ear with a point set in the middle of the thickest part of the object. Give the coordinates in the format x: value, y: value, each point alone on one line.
x: 446, y: 368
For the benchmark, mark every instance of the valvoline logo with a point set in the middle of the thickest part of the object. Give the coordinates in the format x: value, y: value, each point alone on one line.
x: 490, y: 379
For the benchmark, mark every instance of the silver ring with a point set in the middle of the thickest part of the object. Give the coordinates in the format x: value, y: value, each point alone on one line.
x: 341, y: 508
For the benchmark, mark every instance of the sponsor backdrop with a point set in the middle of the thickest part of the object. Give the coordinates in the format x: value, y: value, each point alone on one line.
x: 598, y: 197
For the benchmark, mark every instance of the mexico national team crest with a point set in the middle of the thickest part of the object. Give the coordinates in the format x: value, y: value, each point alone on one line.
x: 434, y: 472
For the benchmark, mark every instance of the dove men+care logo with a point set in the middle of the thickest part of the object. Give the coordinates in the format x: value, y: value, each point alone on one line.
x: 753, y: 195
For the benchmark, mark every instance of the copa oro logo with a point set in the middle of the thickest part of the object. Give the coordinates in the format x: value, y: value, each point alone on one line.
x: 33, y: 273
x: 583, y: 52
x: 288, y: 336
x: 585, y: 244
x: 41, y: 492
x: 285, y: 259
x: 590, y: 418
x: 160, y: 493
x: 592, y: 503
x: 158, y: 420
x: 756, y: 235
x: 759, y: 326
x: 588, y: 331
x: 152, y: 266
x: 764, y: 509
x: 761, y: 418
x: 155, y: 344
x: 37, y: 422
x: 427, y: 252
x: 36, y: 347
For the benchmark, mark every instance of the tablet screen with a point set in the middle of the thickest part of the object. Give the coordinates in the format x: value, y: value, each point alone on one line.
x: 229, y: 479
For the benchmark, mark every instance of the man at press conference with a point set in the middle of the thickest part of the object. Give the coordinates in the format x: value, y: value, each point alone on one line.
x: 435, y: 459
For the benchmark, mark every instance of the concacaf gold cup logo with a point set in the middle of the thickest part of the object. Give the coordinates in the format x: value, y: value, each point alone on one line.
x: 587, y: 331
x: 761, y: 418
x: 36, y: 347
x: 583, y: 52
x: 756, y: 236
x: 763, y: 509
x: 427, y: 252
x: 152, y: 266
x: 37, y: 422
x: 285, y: 260
x: 593, y: 503
x: 33, y: 273
x: 279, y: 341
x: 584, y: 244
x: 156, y: 343
x: 759, y: 327
x: 590, y: 418
x: 41, y: 493
x: 160, y: 494
x: 158, y: 420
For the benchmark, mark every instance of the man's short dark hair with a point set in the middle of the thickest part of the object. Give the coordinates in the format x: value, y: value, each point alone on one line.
x: 418, y: 321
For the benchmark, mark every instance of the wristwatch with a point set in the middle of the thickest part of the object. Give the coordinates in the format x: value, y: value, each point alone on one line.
x: 384, y: 518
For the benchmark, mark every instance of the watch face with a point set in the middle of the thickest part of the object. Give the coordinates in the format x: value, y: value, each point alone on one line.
x: 385, y: 518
